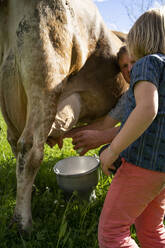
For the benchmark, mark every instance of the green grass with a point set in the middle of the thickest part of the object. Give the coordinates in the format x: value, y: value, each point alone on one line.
x: 57, y: 223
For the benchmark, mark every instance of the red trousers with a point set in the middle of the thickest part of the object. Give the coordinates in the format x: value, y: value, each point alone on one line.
x: 136, y: 196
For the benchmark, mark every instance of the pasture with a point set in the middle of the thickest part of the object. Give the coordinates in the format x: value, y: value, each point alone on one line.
x: 57, y: 223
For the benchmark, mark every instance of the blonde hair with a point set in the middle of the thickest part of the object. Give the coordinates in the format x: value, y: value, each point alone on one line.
x: 147, y: 36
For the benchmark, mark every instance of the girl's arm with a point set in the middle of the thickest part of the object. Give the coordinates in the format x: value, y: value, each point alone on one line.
x: 146, y: 109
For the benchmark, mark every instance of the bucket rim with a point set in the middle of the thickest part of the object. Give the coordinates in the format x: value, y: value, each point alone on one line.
x: 62, y: 174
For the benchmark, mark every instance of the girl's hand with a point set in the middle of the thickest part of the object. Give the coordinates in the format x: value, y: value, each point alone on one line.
x: 107, y: 158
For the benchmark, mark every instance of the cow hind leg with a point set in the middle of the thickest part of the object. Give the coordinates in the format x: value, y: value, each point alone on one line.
x: 30, y: 149
x: 12, y: 138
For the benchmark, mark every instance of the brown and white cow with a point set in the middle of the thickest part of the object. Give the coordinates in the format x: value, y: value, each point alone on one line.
x: 57, y: 68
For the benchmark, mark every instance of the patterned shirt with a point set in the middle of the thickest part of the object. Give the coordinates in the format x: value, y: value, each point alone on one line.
x: 117, y: 113
x: 148, y: 151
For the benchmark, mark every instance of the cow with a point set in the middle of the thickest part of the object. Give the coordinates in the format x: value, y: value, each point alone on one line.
x: 58, y: 68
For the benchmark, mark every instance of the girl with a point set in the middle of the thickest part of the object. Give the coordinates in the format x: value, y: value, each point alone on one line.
x: 137, y: 193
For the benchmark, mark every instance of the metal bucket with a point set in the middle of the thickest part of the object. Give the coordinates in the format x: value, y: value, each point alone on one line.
x: 77, y: 174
